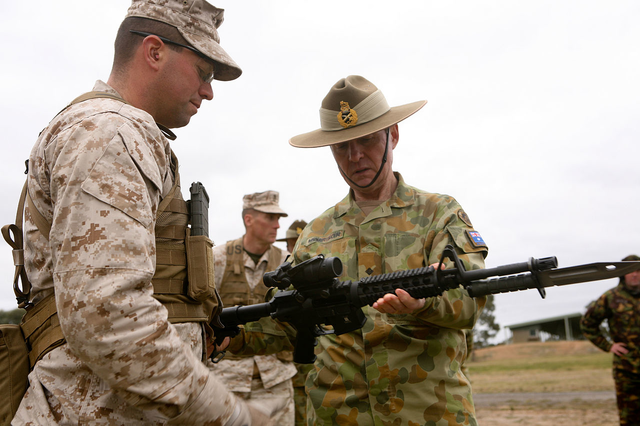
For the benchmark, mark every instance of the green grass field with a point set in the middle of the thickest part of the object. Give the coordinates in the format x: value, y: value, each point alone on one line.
x: 554, y: 363
x: 541, y: 367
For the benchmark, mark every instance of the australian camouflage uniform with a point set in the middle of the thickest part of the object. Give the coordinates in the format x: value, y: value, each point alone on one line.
x: 622, y: 311
x: 398, y: 369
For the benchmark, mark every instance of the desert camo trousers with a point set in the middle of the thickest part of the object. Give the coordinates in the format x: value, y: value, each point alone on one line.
x: 628, y: 396
x: 280, y: 394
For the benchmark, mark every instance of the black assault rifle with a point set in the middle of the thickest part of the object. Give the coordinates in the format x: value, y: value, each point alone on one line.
x: 319, y: 298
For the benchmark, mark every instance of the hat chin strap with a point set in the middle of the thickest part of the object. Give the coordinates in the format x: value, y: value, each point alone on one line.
x: 375, y: 178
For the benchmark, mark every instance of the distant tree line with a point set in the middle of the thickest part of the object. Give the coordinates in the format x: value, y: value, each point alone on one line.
x: 11, y: 317
x: 486, y: 327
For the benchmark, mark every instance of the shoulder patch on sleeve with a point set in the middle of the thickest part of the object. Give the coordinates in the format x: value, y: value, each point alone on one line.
x: 476, y: 238
x: 464, y: 217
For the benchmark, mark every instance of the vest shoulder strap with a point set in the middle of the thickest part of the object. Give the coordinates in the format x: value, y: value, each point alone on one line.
x: 41, y: 222
x: 92, y: 95
x: 235, y: 256
x: 13, y: 235
x: 275, y: 254
x: 96, y: 94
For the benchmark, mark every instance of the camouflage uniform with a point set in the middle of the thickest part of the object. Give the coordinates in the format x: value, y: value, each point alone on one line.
x: 468, y: 335
x: 299, y: 393
x: 98, y: 173
x: 400, y: 370
x: 622, y: 311
x: 262, y: 377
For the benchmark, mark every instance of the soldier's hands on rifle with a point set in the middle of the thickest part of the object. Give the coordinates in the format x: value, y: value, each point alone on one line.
x: 401, y: 302
x: 211, y: 345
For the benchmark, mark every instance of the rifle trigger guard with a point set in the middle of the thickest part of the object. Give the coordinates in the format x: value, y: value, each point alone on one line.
x: 217, y: 356
x: 319, y: 331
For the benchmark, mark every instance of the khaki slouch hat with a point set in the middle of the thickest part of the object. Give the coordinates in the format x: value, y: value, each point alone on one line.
x: 294, y: 231
x: 198, y: 22
x: 354, y: 107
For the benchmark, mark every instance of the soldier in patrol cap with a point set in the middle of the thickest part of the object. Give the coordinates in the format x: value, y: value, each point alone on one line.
x: 292, y: 234
x: 115, y: 324
x: 239, y: 266
x: 403, y: 366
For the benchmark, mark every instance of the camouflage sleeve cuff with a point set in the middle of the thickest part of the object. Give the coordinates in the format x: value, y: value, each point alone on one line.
x: 264, y: 337
x: 237, y: 342
x: 453, y: 309
x: 428, y: 305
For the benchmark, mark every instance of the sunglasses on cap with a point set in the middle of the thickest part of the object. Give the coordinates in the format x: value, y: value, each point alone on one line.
x: 206, y: 77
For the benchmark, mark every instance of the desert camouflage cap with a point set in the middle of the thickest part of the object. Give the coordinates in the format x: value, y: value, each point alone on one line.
x: 266, y: 202
x: 294, y: 230
x: 198, y: 22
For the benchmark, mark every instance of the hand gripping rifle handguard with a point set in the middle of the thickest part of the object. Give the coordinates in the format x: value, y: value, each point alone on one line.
x: 310, y: 294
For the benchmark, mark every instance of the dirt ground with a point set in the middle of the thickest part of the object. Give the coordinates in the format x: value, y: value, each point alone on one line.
x: 535, y: 417
x: 564, y: 397
x: 547, y: 409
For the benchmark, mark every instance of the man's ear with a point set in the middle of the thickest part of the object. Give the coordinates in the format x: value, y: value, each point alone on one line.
x: 395, y: 135
x: 153, y: 50
x: 248, y: 220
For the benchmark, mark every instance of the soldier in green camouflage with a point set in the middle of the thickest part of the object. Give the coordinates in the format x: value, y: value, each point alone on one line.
x: 403, y: 367
x: 620, y: 306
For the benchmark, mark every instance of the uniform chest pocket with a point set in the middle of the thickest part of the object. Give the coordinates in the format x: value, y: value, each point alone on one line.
x: 403, y: 251
x: 342, y: 248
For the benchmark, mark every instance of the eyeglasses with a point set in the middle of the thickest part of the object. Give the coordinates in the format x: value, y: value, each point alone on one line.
x: 206, y: 77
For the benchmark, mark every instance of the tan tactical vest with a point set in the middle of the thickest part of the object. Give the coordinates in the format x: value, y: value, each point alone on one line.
x: 183, y: 285
x: 172, y: 283
x: 234, y: 288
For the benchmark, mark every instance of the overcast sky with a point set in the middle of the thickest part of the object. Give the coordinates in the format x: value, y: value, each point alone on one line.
x: 532, y: 122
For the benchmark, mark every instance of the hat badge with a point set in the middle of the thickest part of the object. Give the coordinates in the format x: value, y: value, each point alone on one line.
x: 347, y: 117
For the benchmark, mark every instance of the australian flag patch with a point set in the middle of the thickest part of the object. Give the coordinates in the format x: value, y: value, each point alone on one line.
x: 476, y: 238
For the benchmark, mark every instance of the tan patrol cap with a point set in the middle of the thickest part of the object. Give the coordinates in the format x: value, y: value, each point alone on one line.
x: 198, y: 22
x: 294, y: 230
x: 265, y: 202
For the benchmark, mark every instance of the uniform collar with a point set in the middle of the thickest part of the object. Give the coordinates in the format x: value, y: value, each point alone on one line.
x: 101, y: 86
x: 623, y: 287
x: 403, y: 196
